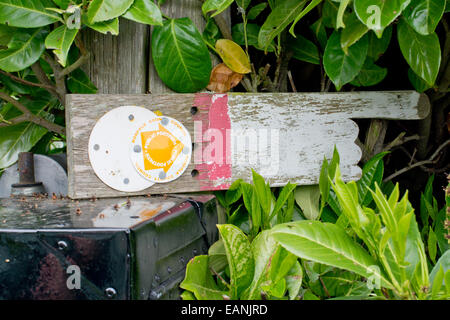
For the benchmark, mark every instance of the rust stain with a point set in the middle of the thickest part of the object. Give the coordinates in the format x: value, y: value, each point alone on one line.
x: 149, y: 213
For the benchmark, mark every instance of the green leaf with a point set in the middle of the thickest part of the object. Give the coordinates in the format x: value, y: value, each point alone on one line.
x: 283, y: 14
x: 24, y: 49
x: 340, y: 67
x: 6, y: 33
x: 311, y: 6
x: 234, y: 192
x: 215, y: 5
x: 254, y: 12
x: 272, y: 263
x: 60, y: 40
x: 423, y: 53
x: 424, y: 15
x: 327, y: 244
x: 417, y: 82
x: 294, y: 280
x: 353, y: 31
x: 102, y: 10
x: 211, y: 33
x: 217, y: 256
x: 307, y: 197
x: 444, y: 262
x: 252, y: 36
x: 27, y: 13
x: 111, y: 26
x: 378, y: 46
x: 441, y: 230
x: 324, y: 182
x: 79, y: 82
x: 14, y: 86
x: 372, y: 173
x: 243, y: 3
x: 23, y: 136
x: 437, y: 283
x: 432, y: 245
x: 263, y: 192
x: 199, y: 280
x: 180, y: 55
x: 340, y: 16
x: 378, y: 14
x: 329, y: 13
x: 144, y: 11
x: 303, y: 49
x: 318, y: 28
x: 282, y: 198
x: 187, y: 295
x: 255, y: 211
x: 63, y: 4
x: 370, y: 74
x: 240, y: 259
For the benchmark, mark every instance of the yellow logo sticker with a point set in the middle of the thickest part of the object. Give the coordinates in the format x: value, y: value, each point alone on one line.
x: 161, y: 149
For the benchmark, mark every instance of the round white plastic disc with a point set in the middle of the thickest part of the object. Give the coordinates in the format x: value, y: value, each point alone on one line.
x: 109, y: 143
x: 161, y: 149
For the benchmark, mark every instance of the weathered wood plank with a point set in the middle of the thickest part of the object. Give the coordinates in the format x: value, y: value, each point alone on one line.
x: 284, y: 136
x: 118, y: 64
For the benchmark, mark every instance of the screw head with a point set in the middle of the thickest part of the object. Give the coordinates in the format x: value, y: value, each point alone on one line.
x: 62, y: 245
x: 110, y: 293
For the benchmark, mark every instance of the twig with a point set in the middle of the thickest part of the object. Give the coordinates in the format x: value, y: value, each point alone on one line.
x: 81, y: 60
x: 399, y: 141
x: 29, y: 116
x: 431, y: 160
x: 42, y: 77
x: 324, y: 287
x: 26, y: 82
x: 294, y: 89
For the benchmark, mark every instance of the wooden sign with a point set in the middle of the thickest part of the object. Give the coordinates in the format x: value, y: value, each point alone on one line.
x: 282, y: 136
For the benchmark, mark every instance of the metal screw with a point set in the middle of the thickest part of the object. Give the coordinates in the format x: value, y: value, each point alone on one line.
x: 169, y: 270
x: 110, y: 293
x: 157, y: 278
x: 62, y: 245
x: 194, y: 252
x: 194, y: 110
x: 182, y: 260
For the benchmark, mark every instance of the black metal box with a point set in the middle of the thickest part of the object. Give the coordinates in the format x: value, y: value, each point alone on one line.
x: 119, y: 248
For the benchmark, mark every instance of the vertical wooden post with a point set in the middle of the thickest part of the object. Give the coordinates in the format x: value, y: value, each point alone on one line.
x: 118, y: 64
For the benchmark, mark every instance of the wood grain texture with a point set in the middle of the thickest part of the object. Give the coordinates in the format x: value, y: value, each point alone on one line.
x: 118, y: 64
x: 284, y: 136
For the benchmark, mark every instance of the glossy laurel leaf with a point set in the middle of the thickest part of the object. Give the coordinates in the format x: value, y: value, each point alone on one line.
x: 180, y: 55
x: 102, y: 10
x: 423, y: 53
x: 144, y: 11
x: 24, y: 49
x: 27, y: 13
x: 233, y: 56
x: 424, y: 15
x: 378, y: 14
x: 281, y: 16
x: 60, y: 40
x: 341, y: 67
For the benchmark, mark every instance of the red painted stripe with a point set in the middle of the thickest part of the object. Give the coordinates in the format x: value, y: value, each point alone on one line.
x: 215, y: 137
